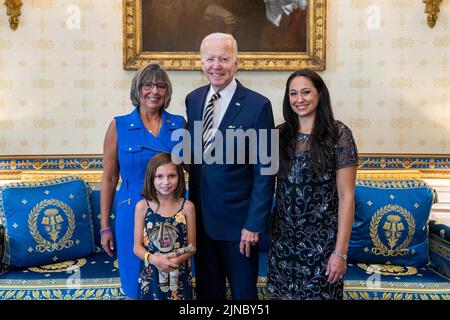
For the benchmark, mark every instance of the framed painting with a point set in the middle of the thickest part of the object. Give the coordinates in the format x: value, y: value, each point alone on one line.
x: 271, y: 34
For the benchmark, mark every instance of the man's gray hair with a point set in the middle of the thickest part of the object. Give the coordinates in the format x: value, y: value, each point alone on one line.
x: 220, y: 36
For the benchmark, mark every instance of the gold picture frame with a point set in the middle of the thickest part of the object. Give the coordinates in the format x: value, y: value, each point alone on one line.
x: 135, y: 54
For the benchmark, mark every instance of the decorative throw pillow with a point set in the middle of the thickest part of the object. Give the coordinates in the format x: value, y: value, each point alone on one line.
x: 46, y: 222
x: 390, y: 225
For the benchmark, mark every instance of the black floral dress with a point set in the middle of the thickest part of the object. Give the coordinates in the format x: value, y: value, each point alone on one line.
x: 168, y: 232
x: 304, y: 224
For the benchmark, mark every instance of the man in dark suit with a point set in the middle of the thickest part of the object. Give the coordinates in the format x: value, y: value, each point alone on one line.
x: 232, y: 193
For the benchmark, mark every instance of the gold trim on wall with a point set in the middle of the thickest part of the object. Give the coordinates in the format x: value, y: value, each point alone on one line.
x: 10, y: 175
x: 435, y: 174
x: 389, y: 174
x: 37, y: 176
x: 314, y: 57
x: 89, y: 166
x: 13, y: 12
x: 95, y: 176
x: 432, y: 9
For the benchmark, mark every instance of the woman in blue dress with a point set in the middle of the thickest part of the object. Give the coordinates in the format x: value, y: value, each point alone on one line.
x: 130, y: 142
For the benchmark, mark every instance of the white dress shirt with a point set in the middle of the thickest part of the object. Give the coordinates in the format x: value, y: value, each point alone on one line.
x: 221, y: 105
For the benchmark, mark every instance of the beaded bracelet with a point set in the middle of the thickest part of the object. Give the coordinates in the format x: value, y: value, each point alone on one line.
x: 105, y: 231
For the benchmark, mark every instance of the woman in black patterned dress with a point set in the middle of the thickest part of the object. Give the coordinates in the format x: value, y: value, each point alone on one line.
x: 311, y: 224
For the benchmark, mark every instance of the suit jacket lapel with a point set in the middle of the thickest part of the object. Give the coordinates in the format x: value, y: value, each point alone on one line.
x: 197, y: 110
x: 233, y: 108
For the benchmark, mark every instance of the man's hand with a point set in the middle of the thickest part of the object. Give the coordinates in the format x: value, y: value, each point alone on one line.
x: 248, y: 239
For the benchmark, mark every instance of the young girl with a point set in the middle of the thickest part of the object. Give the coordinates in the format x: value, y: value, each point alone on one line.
x: 164, y: 234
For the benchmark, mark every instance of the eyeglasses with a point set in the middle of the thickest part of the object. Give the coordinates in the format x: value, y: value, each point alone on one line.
x: 150, y: 85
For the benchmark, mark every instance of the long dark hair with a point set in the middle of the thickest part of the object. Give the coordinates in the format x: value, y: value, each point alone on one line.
x: 149, y: 191
x: 323, y: 135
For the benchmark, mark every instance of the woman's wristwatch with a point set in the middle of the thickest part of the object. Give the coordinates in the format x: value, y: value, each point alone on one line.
x: 343, y: 256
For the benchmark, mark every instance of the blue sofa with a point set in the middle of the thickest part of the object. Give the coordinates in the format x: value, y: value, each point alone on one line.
x: 395, y: 251
x: 96, y: 276
x: 389, y: 282
x: 392, y: 282
x: 93, y: 277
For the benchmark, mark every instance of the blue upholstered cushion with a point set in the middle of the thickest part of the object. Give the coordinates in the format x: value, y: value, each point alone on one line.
x: 91, y: 278
x: 440, y: 230
x: 2, y: 246
x: 390, y: 225
x: 46, y: 222
x: 392, y: 282
x: 96, y: 214
x: 440, y: 247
